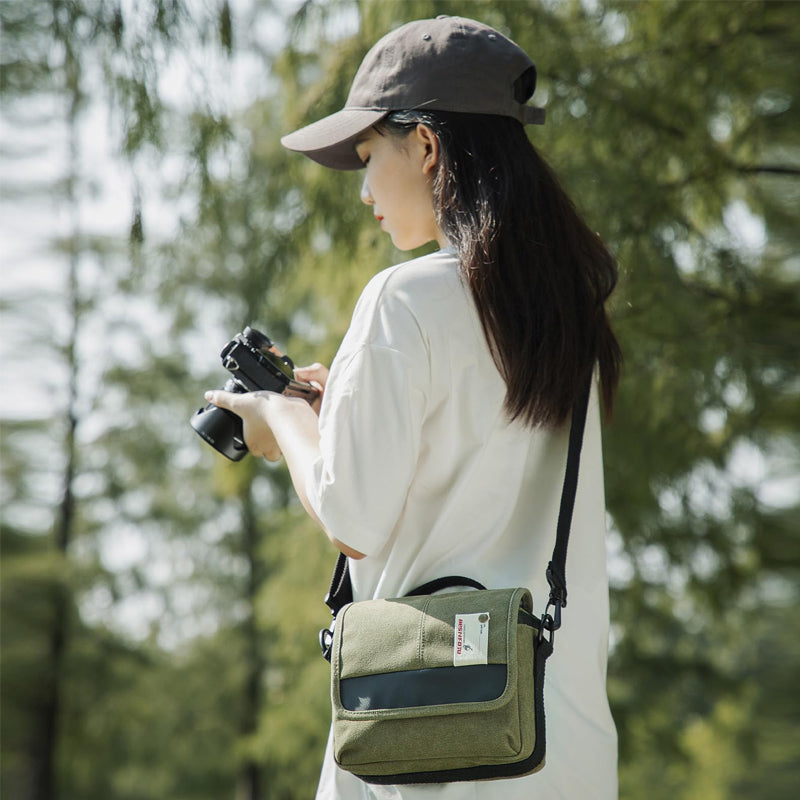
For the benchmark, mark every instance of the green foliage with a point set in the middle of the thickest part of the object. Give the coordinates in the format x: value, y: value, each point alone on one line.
x: 293, y: 730
x: 674, y: 125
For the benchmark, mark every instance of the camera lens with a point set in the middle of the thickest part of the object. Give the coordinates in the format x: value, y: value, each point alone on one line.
x: 256, y: 339
x: 222, y: 429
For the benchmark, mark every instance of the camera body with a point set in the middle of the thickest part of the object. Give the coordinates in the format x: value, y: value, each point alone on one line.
x: 255, y: 364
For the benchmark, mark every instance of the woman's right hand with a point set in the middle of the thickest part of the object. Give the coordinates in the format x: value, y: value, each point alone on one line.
x: 317, y: 376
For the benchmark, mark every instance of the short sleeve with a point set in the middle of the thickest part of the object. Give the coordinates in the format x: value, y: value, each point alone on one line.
x: 370, y: 425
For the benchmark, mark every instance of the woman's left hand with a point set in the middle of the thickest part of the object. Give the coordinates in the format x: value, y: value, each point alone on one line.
x: 256, y: 410
x: 297, y: 424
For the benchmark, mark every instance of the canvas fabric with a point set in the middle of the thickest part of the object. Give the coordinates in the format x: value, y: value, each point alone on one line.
x: 413, y: 712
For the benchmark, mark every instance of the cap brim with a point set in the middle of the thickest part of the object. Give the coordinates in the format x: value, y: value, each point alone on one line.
x: 331, y: 140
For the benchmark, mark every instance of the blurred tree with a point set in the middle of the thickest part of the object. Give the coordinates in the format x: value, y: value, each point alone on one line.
x: 38, y: 584
x: 235, y: 267
x: 124, y: 467
x: 674, y: 124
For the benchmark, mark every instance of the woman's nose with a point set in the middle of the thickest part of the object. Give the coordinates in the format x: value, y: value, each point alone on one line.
x: 366, y: 194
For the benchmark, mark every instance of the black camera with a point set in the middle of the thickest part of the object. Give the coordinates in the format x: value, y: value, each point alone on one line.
x: 255, y: 363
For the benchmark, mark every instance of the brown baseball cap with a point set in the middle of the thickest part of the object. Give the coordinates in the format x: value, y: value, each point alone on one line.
x: 442, y: 64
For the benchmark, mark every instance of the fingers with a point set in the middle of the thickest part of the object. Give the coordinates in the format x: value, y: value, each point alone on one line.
x: 315, y: 374
x: 218, y: 398
x: 252, y: 408
x: 270, y: 453
x: 223, y: 399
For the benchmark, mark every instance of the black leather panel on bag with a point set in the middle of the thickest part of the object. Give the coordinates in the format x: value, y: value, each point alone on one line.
x: 423, y: 687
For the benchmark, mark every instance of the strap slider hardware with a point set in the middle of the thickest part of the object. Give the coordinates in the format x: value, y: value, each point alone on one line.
x: 550, y: 622
x: 558, y: 586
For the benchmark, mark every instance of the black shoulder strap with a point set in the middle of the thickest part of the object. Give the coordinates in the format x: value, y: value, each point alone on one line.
x: 341, y: 590
x: 450, y: 582
x: 557, y: 568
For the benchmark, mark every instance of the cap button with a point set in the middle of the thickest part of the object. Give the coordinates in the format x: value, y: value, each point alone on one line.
x: 443, y: 16
x: 426, y: 37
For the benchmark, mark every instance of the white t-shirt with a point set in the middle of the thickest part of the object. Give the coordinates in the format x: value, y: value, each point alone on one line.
x: 421, y: 471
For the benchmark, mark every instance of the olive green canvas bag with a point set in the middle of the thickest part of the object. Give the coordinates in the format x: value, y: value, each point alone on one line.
x: 439, y: 687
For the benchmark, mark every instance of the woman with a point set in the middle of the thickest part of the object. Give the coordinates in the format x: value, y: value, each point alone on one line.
x: 442, y: 434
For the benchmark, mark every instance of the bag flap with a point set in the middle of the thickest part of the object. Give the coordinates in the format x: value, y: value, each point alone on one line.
x: 416, y: 633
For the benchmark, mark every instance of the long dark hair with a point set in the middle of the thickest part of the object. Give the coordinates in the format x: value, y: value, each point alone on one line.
x: 538, y: 275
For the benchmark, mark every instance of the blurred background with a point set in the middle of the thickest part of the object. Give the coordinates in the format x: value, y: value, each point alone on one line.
x: 160, y: 604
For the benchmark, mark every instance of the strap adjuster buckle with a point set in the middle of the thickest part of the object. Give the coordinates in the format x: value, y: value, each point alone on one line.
x: 550, y: 622
x: 326, y: 640
x: 558, y: 586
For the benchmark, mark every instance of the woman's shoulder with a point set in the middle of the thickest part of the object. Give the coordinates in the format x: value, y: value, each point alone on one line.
x: 412, y: 305
x: 415, y: 284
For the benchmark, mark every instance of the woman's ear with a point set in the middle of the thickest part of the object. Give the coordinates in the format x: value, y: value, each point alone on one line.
x: 429, y: 142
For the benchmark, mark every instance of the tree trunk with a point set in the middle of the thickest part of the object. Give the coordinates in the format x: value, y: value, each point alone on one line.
x: 250, y: 770
x: 44, y: 747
